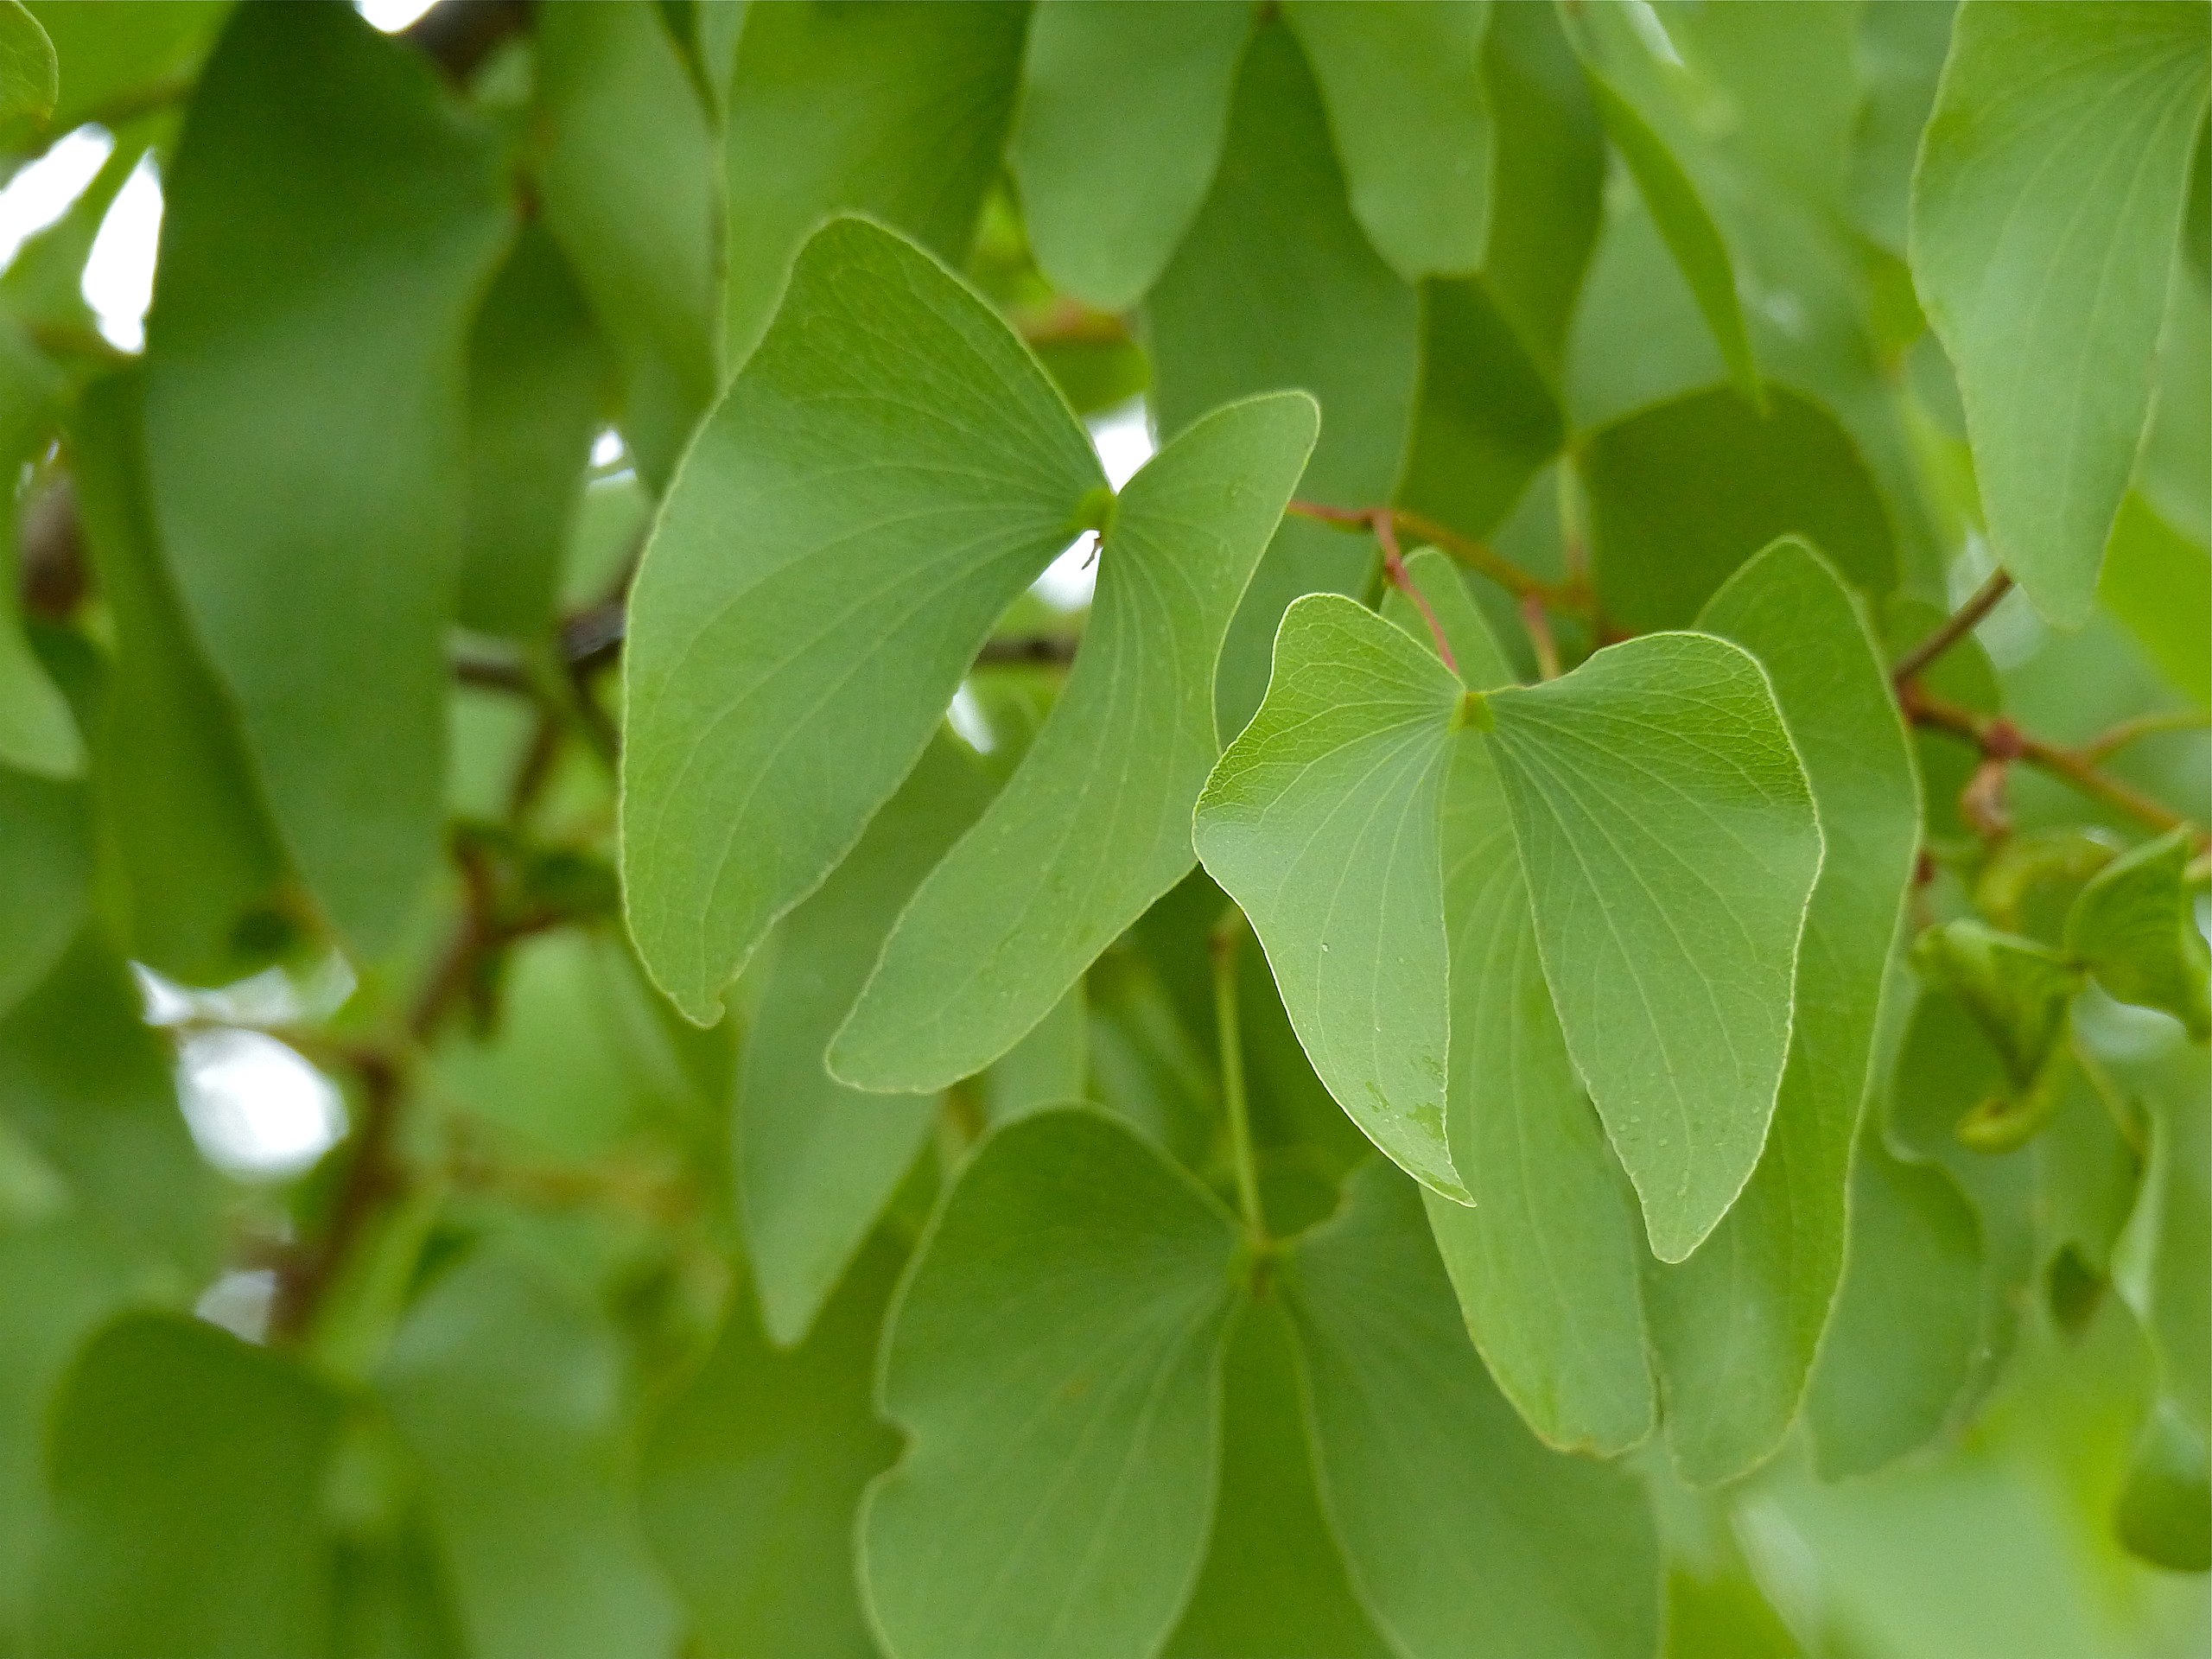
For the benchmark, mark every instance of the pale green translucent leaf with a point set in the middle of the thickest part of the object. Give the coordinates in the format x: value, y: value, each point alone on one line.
x: 1124, y: 109
x: 754, y: 1473
x: 1277, y: 286
x: 2044, y: 209
x: 817, y: 1159
x: 1545, y: 1260
x: 898, y: 112
x: 537, y: 374
x: 1055, y: 1360
x: 193, y: 1528
x: 30, y: 79
x: 1670, y: 846
x: 630, y: 187
x: 510, y: 1393
x: 1273, y: 1582
x: 888, y: 472
x: 1096, y: 823
x: 1321, y: 821
x: 1404, y: 89
x: 1682, y: 494
x: 2159, y: 583
x: 1463, y: 1535
x: 1735, y: 1327
x: 2135, y: 927
x: 196, y: 860
x: 1687, y: 226
x: 330, y: 224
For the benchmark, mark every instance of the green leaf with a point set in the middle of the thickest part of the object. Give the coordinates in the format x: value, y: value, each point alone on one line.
x: 2018, y: 990
x: 1124, y: 110
x: 1735, y: 1327
x: 1670, y: 845
x: 897, y: 111
x: 2044, y: 211
x: 1687, y: 226
x: 31, y: 80
x: 753, y: 1471
x: 1487, y: 424
x: 536, y: 374
x: 1322, y: 821
x: 2159, y: 1265
x: 186, y: 1471
x: 2135, y: 927
x: 330, y: 224
x: 60, y: 1280
x: 509, y: 1392
x: 888, y: 472
x: 37, y: 732
x: 580, y: 1061
x: 1404, y: 89
x: 1273, y: 1581
x: 89, y: 1085
x: 1049, y: 1067
x: 197, y: 860
x: 1900, y: 1346
x: 1146, y: 1066
x: 1462, y: 1534
x: 2159, y: 583
x: 1095, y: 824
x: 1901, y: 52
x: 1546, y: 179
x: 1682, y: 494
x: 2164, y: 1513
x: 817, y: 1159
x: 45, y: 872
x: 1545, y: 1261
x: 630, y: 184
x: 1055, y: 1360
x: 114, y: 56
x: 1277, y: 285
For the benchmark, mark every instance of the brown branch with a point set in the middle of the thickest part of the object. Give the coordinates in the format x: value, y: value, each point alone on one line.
x: 2001, y: 741
x: 373, y: 1174
x: 1954, y: 628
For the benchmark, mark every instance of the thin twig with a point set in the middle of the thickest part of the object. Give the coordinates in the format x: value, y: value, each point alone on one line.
x: 2112, y: 738
x: 1955, y: 627
x: 1573, y: 599
x: 1538, y: 622
x: 1394, y: 563
x: 1999, y: 739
